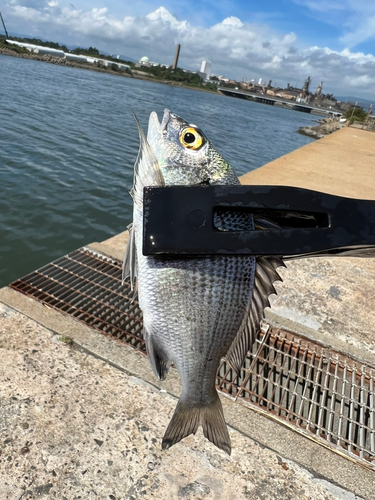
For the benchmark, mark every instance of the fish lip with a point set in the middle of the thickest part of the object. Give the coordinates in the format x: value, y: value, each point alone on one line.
x: 165, y: 120
x: 153, y: 121
x: 153, y: 131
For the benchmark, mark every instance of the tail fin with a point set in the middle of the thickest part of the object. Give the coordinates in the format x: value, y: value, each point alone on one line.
x: 187, y: 418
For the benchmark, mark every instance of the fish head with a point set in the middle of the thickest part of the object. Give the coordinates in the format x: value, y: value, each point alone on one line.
x: 185, y: 155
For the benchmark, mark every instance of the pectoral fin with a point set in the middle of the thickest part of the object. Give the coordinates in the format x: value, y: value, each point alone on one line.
x: 129, y: 268
x: 159, y: 361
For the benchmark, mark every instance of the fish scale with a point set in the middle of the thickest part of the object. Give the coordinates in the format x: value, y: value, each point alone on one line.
x: 195, y: 310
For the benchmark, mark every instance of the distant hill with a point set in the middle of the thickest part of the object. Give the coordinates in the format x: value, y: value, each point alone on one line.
x: 72, y: 47
x: 20, y: 35
x: 124, y: 58
x: 364, y: 103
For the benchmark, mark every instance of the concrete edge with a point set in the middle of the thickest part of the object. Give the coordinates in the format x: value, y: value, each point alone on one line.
x: 326, y: 340
x: 113, y: 247
x: 321, y: 461
x: 106, y: 250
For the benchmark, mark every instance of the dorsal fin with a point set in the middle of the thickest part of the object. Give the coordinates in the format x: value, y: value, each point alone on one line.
x: 146, y: 169
x: 146, y: 173
x: 265, y: 276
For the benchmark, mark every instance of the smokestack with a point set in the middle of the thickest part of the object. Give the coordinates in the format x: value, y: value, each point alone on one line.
x: 176, y: 57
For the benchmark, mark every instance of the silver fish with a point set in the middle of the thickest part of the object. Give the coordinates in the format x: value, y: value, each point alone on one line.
x: 195, y: 310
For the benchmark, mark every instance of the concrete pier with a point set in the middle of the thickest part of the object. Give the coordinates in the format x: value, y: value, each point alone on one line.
x: 332, y: 299
x: 82, y: 416
x: 342, y: 163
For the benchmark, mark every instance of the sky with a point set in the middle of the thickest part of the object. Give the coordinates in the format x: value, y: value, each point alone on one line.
x: 280, y: 40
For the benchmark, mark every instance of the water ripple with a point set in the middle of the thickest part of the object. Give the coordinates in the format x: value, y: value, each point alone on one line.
x: 69, y: 141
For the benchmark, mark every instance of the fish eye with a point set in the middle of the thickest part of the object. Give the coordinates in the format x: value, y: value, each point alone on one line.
x: 191, y: 138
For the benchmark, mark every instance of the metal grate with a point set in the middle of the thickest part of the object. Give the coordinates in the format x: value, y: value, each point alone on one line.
x: 322, y: 393
x: 88, y: 287
x: 319, y: 391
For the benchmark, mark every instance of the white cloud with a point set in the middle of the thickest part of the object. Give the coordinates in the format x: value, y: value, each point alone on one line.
x: 236, y: 49
x: 358, y: 82
x: 355, y: 17
x: 232, y: 21
x: 361, y: 28
x: 323, y: 5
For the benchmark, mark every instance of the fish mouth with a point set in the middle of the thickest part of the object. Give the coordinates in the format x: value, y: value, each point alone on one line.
x: 153, y: 122
x: 165, y: 120
x: 155, y: 129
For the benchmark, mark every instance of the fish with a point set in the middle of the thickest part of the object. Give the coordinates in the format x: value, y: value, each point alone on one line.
x: 196, y: 310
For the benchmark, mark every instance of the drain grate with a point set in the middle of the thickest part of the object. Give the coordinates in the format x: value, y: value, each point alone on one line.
x: 320, y: 392
x: 88, y: 287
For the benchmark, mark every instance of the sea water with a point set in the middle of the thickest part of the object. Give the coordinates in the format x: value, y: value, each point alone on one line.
x: 68, y: 142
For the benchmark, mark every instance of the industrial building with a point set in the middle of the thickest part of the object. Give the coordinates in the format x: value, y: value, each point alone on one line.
x: 41, y: 50
x: 205, y: 70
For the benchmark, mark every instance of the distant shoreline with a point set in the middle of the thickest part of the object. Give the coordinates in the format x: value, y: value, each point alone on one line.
x: 60, y: 61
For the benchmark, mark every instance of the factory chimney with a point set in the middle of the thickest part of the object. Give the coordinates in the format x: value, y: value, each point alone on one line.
x: 175, y: 62
x: 319, y: 89
x: 305, y: 89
